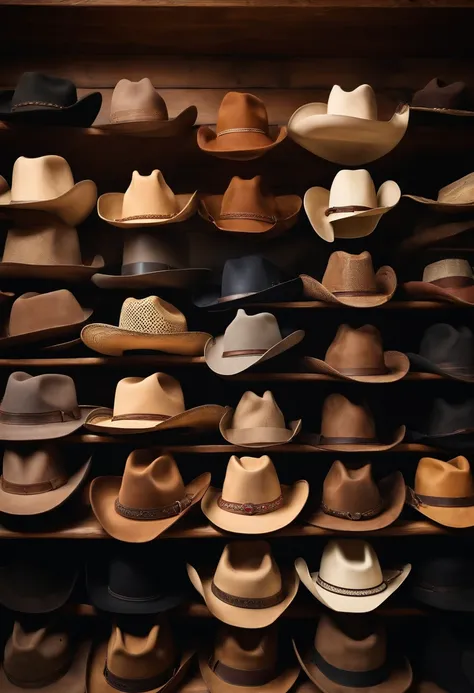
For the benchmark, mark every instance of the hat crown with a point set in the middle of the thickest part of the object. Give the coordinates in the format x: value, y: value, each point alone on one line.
x: 246, y: 649
x: 446, y: 345
x: 239, y: 110
x: 438, y: 94
x: 346, y: 652
x: 136, y: 101
x: 353, y: 188
x: 356, y: 348
x: 248, y: 569
x: 40, y: 178
x: 341, y: 418
x: 50, y: 91
x: 346, y: 272
x: 34, y: 657
x: 245, y: 332
x: 351, y: 490
x: 141, y: 247
x: 149, y: 195
x: 32, y: 312
x: 33, y: 466
x: 248, y: 197
x: 135, y: 578
x: 350, y: 563
x: 445, y: 269
x: 151, y: 315
x: 27, y: 394
x: 158, y: 394
x: 448, y: 417
x: 251, y: 480
x: 459, y: 192
x: 150, y: 483
x: 48, y: 243
x: 249, y: 274
x: 452, y: 479
x: 136, y: 657
x: 445, y: 571
x: 358, y: 103
x: 254, y: 411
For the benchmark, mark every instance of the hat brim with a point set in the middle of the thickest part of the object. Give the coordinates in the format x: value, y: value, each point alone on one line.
x: 113, y: 341
x: 109, y: 209
x: 420, y: 364
x: 294, y: 499
x: 80, y: 114
x: 258, y: 436
x: 425, y: 291
x: 237, y: 146
x: 423, y: 237
x: 214, y: 349
x: 286, y: 291
x: 344, y: 139
x: 455, y: 600
x: 288, y: 208
x: 441, y: 206
x: 459, y: 518
x: 67, y: 273
x: 392, y: 491
x: 460, y: 441
x: 344, y: 603
x: 153, y: 127
x: 45, y: 335
x: 40, y: 603
x: 204, y: 417
x: 385, y: 280
x: 49, y: 431
x: 60, y: 346
x: 105, y: 490
x: 170, y: 279
x: 444, y: 111
x: 396, y: 363
x: 313, y: 440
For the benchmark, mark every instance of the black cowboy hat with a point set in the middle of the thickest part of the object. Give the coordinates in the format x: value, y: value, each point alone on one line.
x: 448, y: 659
x: 449, y: 426
x: 447, y: 351
x: 445, y: 582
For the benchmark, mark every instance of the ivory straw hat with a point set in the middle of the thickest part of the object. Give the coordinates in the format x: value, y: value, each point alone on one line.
x: 252, y: 500
x: 246, y: 589
x: 347, y: 130
x: 352, y: 208
x: 447, y: 351
x: 449, y: 280
x: 455, y: 197
x: 350, y: 579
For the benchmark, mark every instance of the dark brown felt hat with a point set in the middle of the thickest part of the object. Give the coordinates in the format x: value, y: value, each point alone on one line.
x: 443, y: 98
x: 37, y: 585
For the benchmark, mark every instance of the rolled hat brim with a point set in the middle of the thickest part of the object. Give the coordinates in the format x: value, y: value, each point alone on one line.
x: 236, y: 146
x: 82, y: 113
x: 425, y: 291
x: 386, y: 283
x: 205, y: 417
x: 314, y: 440
x: 259, y: 436
x: 421, y: 364
x: 286, y: 291
x: 109, y: 209
x: 461, y: 599
x: 40, y: 603
x: 45, y: 335
x: 396, y: 363
x: 442, y: 206
x: 153, y: 127
x: 66, y: 273
x: 171, y: 279
x: 43, y: 431
x: 113, y: 341
x: 288, y: 208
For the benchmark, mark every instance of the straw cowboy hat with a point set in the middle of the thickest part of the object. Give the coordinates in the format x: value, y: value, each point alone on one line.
x: 352, y: 501
x: 449, y: 426
x: 248, y: 340
x: 455, y: 197
x: 346, y: 130
x: 447, y: 351
x: 350, y: 280
x: 352, y: 208
x: 257, y: 422
x: 144, y: 405
x: 46, y: 184
x: 449, y: 280
x: 352, y: 660
x: 246, y: 589
x: 37, y: 480
x: 350, y: 578
x: 429, y: 233
x: 442, y: 98
x: 138, y: 109
x: 148, y: 201
x: 252, y: 500
x: 41, y: 407
x: 242, y: 131
x: 147, y: 500
x: 445, y: 582
x: 244, y: 660
x: 47, y: 659
x: 357, y: 354
x: 247, y: 207
x: 145, y: 324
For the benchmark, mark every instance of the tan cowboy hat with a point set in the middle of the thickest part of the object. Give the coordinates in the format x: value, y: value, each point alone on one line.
x: 252, y: 501
x: 138, y: 109
x: 46, y: 184
x: 145, y: 324
x: 455, y: 197
x: 346, y: 130
x: 37, y: 480
x: 257, y: 422
x: 352, y: 501
x: 248, y: 340
x: 148, y: 201
x: 147, y: 500
x: 350, y: 280
x: 357, y: 354
x: 449, y: 280
x: 246, y: 207
x: 242, y: 130
x: 246, y: 589
x: 352, y: 208
x: 143, y: 405
x: 444, y: 491
x: 350, y: 579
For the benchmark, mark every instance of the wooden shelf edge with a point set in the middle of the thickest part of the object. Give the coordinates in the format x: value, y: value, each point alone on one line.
x: 159, y: 360
x: 236, y: 4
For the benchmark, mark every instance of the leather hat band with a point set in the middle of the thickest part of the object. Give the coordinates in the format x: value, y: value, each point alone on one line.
x: 251, y: 216
x: 145, y: 268
x: 250, y: 508
x: 347, y: 208
x: 349, y: 592
x: 346, y: 515
x: 417, y: 499
x: 352, y: 440
x: 44, y: 417
x: 32, y: 489
x: 141, y: 417
x: 453, y: 282
x: 248, y: 602
x: 355, y: 679
x: 137, y: 685
x: 137, y: 217
x: 46, y: 104
x: 244, y: 352
x: 231, y: 131
x: 154, y: 513
x: 241, y: 677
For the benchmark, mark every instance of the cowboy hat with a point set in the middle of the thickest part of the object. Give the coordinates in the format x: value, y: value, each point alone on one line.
x: 439, y: 97
x: 455, y: 197
x: 445, y: 582
x: 252, y: 501
x: 350, y: 578
x: 350, y: 280
x: 447, y: 351
x: 352, y: 208
x: 147, y: 500
x: 144, y: 405
x: 138, y: 109
x: 37, y: 584
x: 248, y: 340
x: 449, y: 426
x: 357, y: 354
x: 145, y: 324
x: 148, y: 201
x: 346, y: 130
x: 242, y: 129
x: 428, y: 233
x: 246, y: 589
x: 446, y: 661
x: 257, y: 422
x: 449, y: 280
x: 352, y: 501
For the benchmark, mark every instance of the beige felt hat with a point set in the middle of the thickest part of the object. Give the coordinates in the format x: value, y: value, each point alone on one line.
x: 248, y: 340
x: 352, y: 208
x: 449, y: 280
x: 46, y: 184
x: 145, y: 324
x: 247, y: 589
x: 252, y: 501
x: 347, y: 130
x: 350, y: 578
x: 148, y: 201
x: 455, y: 197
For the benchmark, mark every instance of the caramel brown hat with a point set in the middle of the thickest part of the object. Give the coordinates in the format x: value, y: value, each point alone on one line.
x: 246, y: 589
x: 242, y: 130
x: 252, y: 500
x: 257, y: 422
x: 455, y: 197
x: 350, y: 280
x: 449, y: 280
x: 147, y: 500
x: 352, y: 501
x: 357, y: 354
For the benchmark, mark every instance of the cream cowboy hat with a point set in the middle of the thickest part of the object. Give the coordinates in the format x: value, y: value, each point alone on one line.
x: 346, y: 130
x: 352, y: 208
x: 455, y: 197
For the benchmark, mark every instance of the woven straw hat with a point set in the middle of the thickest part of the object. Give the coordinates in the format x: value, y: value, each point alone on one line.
x: 455, y: 197
x: 449, y: 280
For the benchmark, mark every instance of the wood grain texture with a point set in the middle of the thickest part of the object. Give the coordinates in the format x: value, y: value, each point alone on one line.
x: 218, y: 4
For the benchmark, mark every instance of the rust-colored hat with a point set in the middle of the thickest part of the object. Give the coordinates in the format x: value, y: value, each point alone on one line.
x: 357, y: 354
x: 242, y: 129
x: 352, y: 501
x: 455, y: 197
x: 350, y: 280
x: 443, y: 98
x: 449, y: 280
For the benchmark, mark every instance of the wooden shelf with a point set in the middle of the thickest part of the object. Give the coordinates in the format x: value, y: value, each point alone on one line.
x: 158, y: 361
x: 391, y: 305
x: 218, y: 4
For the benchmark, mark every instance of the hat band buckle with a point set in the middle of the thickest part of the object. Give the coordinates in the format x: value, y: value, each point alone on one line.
x: 356, y: 516
x: 344, y: 677
x: 137, y: 685
x: 247, y: 602
x: 162, y: 513
x: 346, y: 208
x: 33, y: 489
x: 241, y: 677
x: 43, y: 417
x: 250, y: 508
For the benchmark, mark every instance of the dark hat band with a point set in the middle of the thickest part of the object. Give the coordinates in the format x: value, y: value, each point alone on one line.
x: 241, y: 677
x: 41, y: 683
x: 231, y: 131
x: 154, y: 513
x: 417, y: 499
x: 43, y: 417
x: 248, y: 602
x: 347, y: 515
x: 146, y: 216
x: 347, y: 208
x: 145, y: 267
x: 467, y: 585
x: 127, y: 598
x: 140, y: 417
x: 33, y: 489
x: 250, y: 508
x: 348, y: 592
x: 352, y: 440
x: 243, y: 352
x: 356, y: 679
x: 250, y: 216
x: 137, y: 685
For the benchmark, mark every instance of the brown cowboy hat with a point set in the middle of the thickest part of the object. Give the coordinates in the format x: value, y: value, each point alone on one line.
x: 428, y: 233
x: 147, y: 500
x: 455, y: 197
x: 442, y: 98
x: 352, y: 501
x: 449, y: 280
x: 37, y: 583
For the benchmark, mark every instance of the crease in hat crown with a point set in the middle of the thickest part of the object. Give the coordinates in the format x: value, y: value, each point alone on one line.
x: 245, y: 199
x: 137, y: 101
x: 251, y: 480
x: 32, y: 312
x: 352, y: 188
x: 343, y: 650
x: 241, y: 112
x: 357, y: 348
x: 357, y: 103
x: 253, y: 333
x: 151, y: 315
x: 43, y: 465
x: 350, y: 564
x: 246, y: 650
x: 450, y: 479
x: 28, y: 394
x: 36, y: 179
x: 346, y: 273
x: 447, y: 268
x: 148, y: 197
x: 248, y: 570
x: 254, y: 411
x: 158, y: 395
x: 342, y: 418
x: 351, y: 491
x: 134, y: 657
